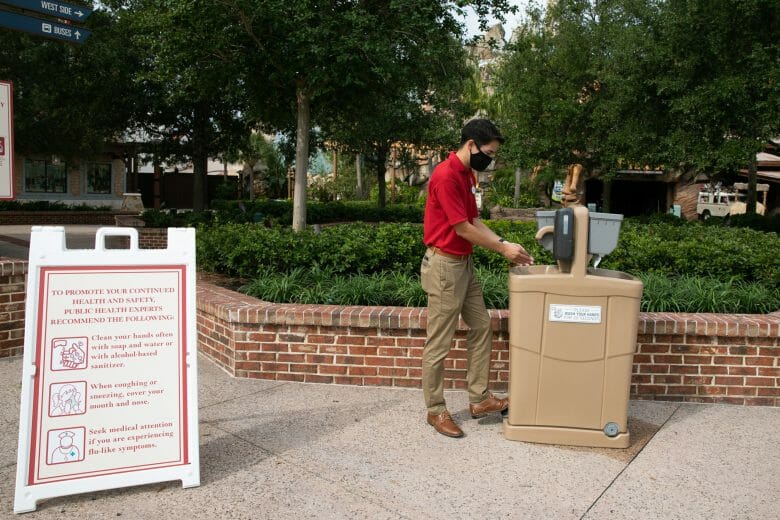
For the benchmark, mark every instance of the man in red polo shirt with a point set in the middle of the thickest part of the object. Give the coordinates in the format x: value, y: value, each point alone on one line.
x: 451, y: 229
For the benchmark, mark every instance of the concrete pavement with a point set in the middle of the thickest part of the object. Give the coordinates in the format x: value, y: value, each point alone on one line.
x: 291, y: 450
x: 15, y: 239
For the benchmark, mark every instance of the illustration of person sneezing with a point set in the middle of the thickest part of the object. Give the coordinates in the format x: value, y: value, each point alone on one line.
x: 65, y: 400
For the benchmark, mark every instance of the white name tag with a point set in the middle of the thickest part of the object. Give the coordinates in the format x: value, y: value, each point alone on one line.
x: 575, y: 313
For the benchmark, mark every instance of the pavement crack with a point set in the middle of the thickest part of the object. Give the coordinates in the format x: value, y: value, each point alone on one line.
x: 629, y: 463
x: 244, y: 396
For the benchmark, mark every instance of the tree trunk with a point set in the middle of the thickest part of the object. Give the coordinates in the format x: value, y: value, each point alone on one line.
x: 129, y: 180
x: 156, y: 188
x: 199, y: 157
x: 382, y: 151
x: 606, y: 196
x: 359, y: 175
x: 518, y: 176
x: 392, y: 174
x: 301, y: 158
x: 134, y: 175
x: 251, y: 188
x: 752, y: 195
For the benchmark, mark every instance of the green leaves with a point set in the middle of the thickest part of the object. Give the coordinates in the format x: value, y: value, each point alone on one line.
x: 247, y: 250
x: 679, y: 83
x: 689, y: 293
x: 686, y: 267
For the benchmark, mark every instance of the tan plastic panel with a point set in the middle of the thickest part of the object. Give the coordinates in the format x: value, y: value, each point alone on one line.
x: 523, y: 386
x: 526, y: 332
x: 574, y: 341
x: 565, y: 436
x: 622, y: 325
x: 570, y: 393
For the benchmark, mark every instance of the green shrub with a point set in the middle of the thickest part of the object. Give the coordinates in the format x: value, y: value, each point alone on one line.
x: 157, y: 218
x: 689, y: 293
x: 697, y: 249
x: 667, y: 249
x: 247, y: 250
x: 273, y: 212
x: 323, y: 286
x: 47, y: 205
x: 757, y: 222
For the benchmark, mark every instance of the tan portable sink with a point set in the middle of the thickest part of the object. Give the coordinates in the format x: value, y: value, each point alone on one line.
x: 572, y: 336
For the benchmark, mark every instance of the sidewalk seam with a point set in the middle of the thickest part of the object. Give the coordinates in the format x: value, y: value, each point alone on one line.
x: 203, y: 407
x: 630, y: 462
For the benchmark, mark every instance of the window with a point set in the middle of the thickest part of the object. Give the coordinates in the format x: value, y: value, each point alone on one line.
x: 98, y: 178
x: 45, y: 177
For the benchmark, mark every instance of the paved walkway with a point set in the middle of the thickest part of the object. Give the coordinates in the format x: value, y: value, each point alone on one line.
x: 290, y: 450
x: 15, y: 240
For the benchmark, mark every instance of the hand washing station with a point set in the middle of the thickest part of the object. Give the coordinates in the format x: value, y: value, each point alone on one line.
x: 572, y: 336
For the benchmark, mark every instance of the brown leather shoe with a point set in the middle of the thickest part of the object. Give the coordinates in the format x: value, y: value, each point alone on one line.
x: 488, y: 405
x: 444, y: 424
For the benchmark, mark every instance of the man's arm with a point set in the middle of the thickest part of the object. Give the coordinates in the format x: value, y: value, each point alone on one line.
x: 481, y: 235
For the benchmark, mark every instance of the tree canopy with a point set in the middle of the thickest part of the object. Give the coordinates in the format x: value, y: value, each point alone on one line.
x: 69, y: 100
x: 677, y: 83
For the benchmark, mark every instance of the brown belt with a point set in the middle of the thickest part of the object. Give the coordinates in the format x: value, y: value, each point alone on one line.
x: 436, y: 251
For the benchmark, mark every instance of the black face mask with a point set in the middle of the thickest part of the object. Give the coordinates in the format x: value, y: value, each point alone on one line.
x: 480, y: 161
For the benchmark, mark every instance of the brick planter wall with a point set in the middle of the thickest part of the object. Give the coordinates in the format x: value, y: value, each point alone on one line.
x: 680, y: 357
x: 61, y: 218
x: 152, y: 238
x: 148, y: 238
x: 12, y: 295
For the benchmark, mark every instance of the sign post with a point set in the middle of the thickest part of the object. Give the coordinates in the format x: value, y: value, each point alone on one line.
x: 109, y: 381
x: 6, y: 140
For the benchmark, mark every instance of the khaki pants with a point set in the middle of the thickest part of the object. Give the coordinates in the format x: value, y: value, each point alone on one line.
x: 453, y: 292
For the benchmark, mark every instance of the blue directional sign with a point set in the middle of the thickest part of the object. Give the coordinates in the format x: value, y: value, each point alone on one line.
x: 68, y: 33
x: 62, y: 10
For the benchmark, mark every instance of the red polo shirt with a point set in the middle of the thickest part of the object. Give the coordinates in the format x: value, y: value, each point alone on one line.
x: 451, y: 200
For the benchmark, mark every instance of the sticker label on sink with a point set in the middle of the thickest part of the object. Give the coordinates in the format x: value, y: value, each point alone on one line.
x: 575, y: 313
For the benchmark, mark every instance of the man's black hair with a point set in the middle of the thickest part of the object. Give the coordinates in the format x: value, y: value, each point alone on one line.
x: 482, y: 131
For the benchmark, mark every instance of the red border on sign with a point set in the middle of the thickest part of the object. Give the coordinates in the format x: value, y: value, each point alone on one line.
x: 38, y: 381
x: 10, y: 146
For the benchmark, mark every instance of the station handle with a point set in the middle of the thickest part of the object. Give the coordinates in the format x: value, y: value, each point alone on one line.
x: 543, y: 231
x: 102, y: 233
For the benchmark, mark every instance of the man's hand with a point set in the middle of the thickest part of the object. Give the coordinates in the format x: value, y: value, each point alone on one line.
x: 516, y: 254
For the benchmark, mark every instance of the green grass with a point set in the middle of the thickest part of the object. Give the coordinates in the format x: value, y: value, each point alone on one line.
x: 323, y: 286
x: 687, y: 293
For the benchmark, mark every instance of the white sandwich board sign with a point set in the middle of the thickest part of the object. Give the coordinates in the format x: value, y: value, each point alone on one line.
x: 109, y: 378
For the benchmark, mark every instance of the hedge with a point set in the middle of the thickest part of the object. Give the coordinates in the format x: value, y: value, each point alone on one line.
x: 246, y: 250
x: 279, y: 212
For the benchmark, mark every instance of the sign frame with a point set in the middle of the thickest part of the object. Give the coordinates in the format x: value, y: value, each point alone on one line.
x: 7, y: 171
x: 48, y: 254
